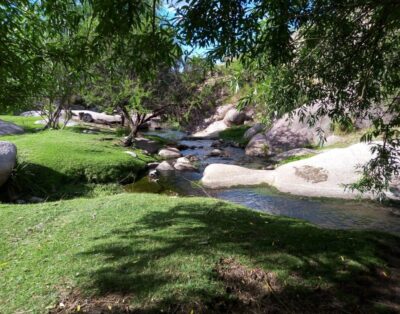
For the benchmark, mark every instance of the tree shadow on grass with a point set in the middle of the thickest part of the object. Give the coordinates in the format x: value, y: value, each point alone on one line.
x: 30, y: 179
x: 166, y: 260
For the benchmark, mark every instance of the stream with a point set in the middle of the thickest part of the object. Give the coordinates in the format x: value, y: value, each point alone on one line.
x: 327, y: 213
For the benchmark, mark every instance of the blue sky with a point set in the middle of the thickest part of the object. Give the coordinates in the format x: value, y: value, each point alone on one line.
x: 169, y: 11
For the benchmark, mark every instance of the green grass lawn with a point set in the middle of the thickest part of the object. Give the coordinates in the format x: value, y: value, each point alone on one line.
x: 64, y: 162
x: 235, y: 134
x: 160, y: 252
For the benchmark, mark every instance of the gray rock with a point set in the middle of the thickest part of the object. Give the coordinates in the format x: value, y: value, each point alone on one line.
x: 183, y: 164
x: 165, y: 166
x: 184, y: 167
x: 133, y: 154
x: 234, y: 117
x: 221, y: 111
x: 8, y: 128
x: 170, y: 153
x: 8, y: 159
x: 212, y: 131
x: 148, y: 145
x: 216, y: 153
x: 255, y: 129
x: 183, y: 160
x: 192, y: 158
x: 258, y: 146
x: 287, y: 134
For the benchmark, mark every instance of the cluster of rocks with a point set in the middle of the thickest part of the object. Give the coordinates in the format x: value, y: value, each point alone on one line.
x: 175, y: 161
x: 225, y: 116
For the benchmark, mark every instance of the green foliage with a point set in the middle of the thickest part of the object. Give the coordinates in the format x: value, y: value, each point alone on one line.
x: 235, y: 134
x: 340, y: 128
x: 20, y: 53
x: 340, y: 55
x: 162, y: 251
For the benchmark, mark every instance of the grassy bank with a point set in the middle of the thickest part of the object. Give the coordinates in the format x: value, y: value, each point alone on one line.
x: 235, y: 134
x: 162, y: 252
x: 68, y: 162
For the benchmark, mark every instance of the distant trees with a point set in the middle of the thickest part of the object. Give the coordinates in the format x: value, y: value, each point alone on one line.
x: 20, y: 53
x: 50, y: 51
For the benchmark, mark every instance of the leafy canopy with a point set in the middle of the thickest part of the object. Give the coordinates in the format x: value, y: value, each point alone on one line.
x: 343, y: 55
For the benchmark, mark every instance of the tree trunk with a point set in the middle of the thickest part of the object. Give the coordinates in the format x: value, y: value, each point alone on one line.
x: 128, y: 141
x: 52, y: 118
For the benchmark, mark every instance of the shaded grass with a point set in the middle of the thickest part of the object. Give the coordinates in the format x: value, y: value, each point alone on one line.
x: 62, y: 162
x: 162, y: 251
x: 235, y: 134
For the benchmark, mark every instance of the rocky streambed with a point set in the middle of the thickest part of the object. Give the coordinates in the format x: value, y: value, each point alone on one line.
x: 328, y: 213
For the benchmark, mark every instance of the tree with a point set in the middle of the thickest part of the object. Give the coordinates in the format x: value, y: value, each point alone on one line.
x: 126, y: 77
x: 20, y: 53
x: 343, y: 54
x: 69, y: 48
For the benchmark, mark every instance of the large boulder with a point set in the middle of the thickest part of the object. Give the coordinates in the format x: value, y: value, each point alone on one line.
x: 323, y: 175
x: 146, y: 144
x: 170, y: 153
x: 234, y: 117
x: 258, y: 146
x: 221, y: 111
x: 165, y: 166
x: 224, y: 176
x: 212, y: 131
x: 184, y: 164
x: 290, y: 132
x: 255, y: 129
x: 8, y: 128
x: 8, y: 159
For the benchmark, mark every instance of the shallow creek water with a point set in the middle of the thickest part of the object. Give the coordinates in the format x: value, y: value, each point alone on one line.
x: 327, y: 213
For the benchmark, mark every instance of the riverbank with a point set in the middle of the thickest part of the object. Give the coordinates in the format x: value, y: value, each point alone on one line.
x: 182, y: 254
x: 73, y: 162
